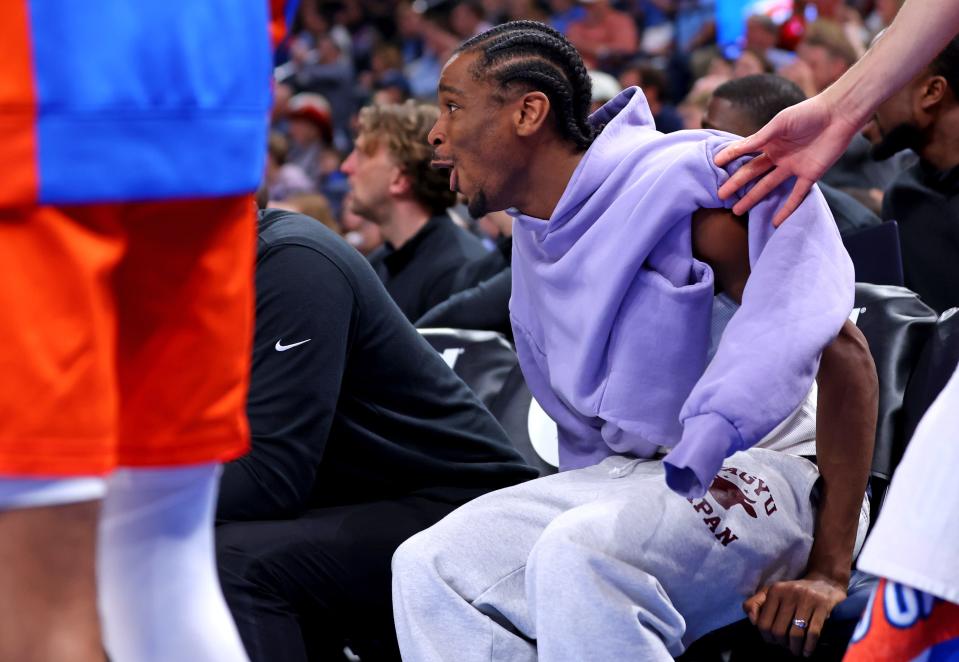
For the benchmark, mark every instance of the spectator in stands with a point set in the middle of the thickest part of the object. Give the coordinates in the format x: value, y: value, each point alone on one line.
x: 883, y: 14
x: 825, y: 54
x: 311, y: 132
x: 468, y: 18
x: 391, y: 88
x: 924, y: 199
x: 694, y: 105
x: 743, y: 106
x: 392, y: 185
x: 529, y: 10
x: 562, y: 13
x: 695, y: 24
x: 362, y: 436
x: 604, y: 87
x: 750, y: 63
x: 385, y: 81
x: 321, y: 62
x: 657, y: 33
x: 762, y: 37
x: 310, y: 125
x: 284, y: 179
x: 603, y: 561
x: 604, y: 35
x: 655, y: 86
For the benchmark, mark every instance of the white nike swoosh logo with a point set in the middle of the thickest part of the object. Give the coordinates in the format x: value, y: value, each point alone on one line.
x: 280, y: 347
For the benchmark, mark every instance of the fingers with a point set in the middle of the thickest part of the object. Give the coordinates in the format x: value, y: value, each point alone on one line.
x: 750, y: 171
x: 816, y: 623
x: 796, y: 634
x: 753, y: 605
x: 749, y: 145
x: 734, y: 150
x: 768, y: 616
x: 761, y: 190
x: 795, y: 199
x: 783, y: 625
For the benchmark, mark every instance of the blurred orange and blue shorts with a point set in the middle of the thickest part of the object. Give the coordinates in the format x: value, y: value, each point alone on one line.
x: 125, y: 333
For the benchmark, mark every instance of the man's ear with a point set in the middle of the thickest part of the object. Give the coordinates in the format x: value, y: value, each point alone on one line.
x: 530, y: 114
x: 399, y: 181
x: 931, y: 92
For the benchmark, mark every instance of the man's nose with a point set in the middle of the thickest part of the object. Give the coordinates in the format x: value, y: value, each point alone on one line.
x: 347, y: 166
x: 435, y: 136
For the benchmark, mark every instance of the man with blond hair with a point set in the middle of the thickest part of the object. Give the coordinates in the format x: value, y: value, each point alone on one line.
x: 392, y: 185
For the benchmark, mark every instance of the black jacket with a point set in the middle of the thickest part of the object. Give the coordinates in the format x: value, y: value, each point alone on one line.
x: 347, y: 402
x: 420, y: 273
x: 926, y: 205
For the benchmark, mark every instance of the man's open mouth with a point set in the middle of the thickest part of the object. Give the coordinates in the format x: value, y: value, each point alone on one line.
x: 454, y: 179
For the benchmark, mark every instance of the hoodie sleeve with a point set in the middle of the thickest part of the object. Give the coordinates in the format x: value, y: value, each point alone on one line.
x: 799, y: 292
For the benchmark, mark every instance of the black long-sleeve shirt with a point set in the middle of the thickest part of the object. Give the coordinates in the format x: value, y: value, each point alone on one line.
x: 926, y: 205
x: 347, y: 402
x: 420, y: 273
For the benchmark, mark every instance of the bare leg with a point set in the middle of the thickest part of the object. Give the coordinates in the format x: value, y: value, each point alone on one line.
x: 49, y: 607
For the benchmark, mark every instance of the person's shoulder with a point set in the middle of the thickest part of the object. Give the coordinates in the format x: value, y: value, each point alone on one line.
x: 279, y: 228
x: 459, y: 242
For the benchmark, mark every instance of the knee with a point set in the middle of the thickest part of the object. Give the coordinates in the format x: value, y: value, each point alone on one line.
x: 414, y: 557
x: 239, y: 565
x: 567, y: 546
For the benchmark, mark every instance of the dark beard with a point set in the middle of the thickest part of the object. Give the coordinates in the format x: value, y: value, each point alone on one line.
x: 477, y: 205
x: 900, y: 137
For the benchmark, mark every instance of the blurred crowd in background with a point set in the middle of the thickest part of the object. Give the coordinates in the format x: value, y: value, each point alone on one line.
x: 346, y: 54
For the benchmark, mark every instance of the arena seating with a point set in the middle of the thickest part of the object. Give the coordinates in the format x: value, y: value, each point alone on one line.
x: 485, y: 360
x: 915, y: 353
x: 875, y: 254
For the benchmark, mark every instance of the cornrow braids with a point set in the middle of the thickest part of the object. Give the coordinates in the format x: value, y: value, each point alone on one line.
x: 532, y: 55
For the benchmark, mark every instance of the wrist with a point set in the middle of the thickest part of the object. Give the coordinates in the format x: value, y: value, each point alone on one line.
x: 848, y: 105
x: 835, y: 574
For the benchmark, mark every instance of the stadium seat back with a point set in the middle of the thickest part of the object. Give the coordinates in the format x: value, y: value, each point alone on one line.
x: 533, y: 434
x: 487, y: 363
x: 897, y: 325
x: 876, y: 254
x: 482, y: 359
x: 936, y: 365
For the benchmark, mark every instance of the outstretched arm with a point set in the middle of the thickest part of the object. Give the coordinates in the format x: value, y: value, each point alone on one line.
x: 845, y: 435
x: 806, y: 139
x: 845, y: 431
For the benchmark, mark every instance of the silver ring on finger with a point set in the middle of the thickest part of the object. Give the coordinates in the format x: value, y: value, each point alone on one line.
x: 799, y: 623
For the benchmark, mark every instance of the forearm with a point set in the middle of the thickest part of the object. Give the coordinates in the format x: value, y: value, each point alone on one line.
x: 921, y: 30
x: 249, y: 491
x: 846, y: 431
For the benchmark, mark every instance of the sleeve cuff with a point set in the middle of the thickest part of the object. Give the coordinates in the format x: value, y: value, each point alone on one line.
x: 707, y: 440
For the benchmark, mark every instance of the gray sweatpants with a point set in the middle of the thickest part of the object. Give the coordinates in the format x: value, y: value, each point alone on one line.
x: 602, y: 563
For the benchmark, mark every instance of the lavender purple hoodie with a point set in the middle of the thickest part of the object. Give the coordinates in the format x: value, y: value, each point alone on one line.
x: 611, y: 312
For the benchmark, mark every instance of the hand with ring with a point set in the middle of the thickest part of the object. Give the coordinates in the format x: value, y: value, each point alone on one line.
x: 792, y: 614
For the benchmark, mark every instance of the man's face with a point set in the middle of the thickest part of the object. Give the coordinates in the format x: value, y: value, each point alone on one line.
x: 724, y: 115
x: 473, y: 136
x: 895, y: 126
x: 826, y: 68
x: 759, y: 36
x: 371, y: 172
x: 303, y: 132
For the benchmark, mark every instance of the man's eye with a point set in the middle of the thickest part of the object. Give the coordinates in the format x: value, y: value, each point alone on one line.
x: 452, y: 107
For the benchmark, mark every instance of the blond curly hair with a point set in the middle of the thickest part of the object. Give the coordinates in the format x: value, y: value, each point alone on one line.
x: 403, y: 129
